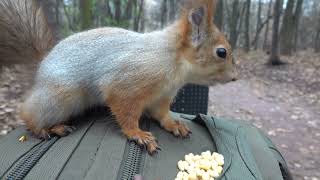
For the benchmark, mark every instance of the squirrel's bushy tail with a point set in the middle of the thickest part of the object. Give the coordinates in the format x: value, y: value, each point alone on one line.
x: 25, y: 35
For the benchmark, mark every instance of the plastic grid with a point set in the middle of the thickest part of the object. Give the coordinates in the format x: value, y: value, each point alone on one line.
x: 192, y: 99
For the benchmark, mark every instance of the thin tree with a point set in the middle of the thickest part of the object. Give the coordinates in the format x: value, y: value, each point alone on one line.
x: 172, y: 10
x: 258, y: 25
x: 68, y: 17
x: 297, y: 17
x: 49, y: 8
x: 129, y: 9
x: 57, y: 11
x: 164, y: 13
x: 108, y: 12
x: 247, y: 26
x: 219, y: 16
x: 233, y: 23
x: 86, y: 14
x: 139, y: 10
x: 117, y: 14
x: 287, y: 29
x: 275, y: 54
x: 317, y: 37
x: 266, y: 34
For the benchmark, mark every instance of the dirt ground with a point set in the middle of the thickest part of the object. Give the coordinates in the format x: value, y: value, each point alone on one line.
x: 283, y: 101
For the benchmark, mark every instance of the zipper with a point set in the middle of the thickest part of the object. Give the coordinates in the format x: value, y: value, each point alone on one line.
x: 133, y: 158
x: 26, y: 163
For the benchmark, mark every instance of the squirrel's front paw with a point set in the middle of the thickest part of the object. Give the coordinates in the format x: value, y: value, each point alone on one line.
x: 177, y: 128
x: 145, y: 139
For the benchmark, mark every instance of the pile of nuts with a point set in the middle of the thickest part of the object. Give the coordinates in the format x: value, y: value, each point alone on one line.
x: 206, y: 166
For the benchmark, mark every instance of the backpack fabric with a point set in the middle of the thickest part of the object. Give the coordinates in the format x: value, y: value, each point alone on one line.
x: 98, y: 150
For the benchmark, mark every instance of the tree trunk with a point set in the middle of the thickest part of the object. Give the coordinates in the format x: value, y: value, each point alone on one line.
x: 138, y: 16
x: 260, y: 29
x: 164, y: 10
x: 317, y: 37
x: 287, y: 29
x: 266, y: 34
x: 317, y: 42
x: 108, y: 9
x: 142, y: 19
x: 256, y: 41
x: 172, y: 10
x: 275, y: 56
x: 129, y: 10
x: 117, y: 14
x: 86, y: 14
x: 241, y: 17
x: 218, y: 19
x: 247, y: 27
x: 297, y: 17
x: 49, y: 10
x: 57, y: 11
x: 234, y: 23
x: 75, y: 17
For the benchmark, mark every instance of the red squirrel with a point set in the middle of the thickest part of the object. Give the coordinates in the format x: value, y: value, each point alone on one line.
x: 129, y: 72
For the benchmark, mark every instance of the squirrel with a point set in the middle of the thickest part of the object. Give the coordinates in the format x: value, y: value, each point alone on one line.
x: 130, y: 72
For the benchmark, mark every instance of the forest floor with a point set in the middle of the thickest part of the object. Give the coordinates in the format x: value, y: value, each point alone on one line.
x: 283, y: 101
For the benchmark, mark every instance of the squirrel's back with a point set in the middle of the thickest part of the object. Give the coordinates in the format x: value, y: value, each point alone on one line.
x: 104, y: 55
x: 85, y: 69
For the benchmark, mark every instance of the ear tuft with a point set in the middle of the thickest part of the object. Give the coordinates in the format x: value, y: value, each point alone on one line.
x: 197, y: 16
x: 199, y: 25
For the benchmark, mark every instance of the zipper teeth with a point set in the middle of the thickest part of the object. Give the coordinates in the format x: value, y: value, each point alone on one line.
x: 24, y: 165
x: 132, y: 164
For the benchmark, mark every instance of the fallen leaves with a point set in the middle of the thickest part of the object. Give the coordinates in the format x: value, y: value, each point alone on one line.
x: 14, y: 81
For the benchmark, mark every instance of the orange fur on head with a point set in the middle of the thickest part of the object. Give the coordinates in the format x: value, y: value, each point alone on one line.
x: 198, y: 40
x: 190, y: 5
x: 184, y: 26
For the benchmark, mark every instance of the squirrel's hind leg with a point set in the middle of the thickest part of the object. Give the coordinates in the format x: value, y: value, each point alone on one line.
x: 46, y: 111
x: 45, y: 132
x: 61, y: 130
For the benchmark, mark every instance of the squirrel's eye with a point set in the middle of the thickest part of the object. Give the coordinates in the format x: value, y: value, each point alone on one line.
x: 221, y: 52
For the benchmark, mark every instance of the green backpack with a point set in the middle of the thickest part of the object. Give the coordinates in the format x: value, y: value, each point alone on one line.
x: 97, y: 150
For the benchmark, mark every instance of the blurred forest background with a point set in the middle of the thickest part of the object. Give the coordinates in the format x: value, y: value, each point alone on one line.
x: 276, y: 44
x: 248, y: 24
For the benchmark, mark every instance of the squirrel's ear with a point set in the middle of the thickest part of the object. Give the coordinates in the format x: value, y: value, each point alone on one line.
x: 199, y: 25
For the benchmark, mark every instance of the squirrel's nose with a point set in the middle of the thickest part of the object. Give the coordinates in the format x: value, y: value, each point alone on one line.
x: 234, y: 79
x: 222, y: 53
x: 235, y: 75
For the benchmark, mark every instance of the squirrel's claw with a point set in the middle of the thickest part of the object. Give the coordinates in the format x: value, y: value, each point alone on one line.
x: 178, y: 129
x: 146, y: 140
x: 70, y: 129
x: 62, y: 130
x: 44, y: 135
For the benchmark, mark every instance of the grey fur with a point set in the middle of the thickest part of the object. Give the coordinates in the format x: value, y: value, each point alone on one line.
x: 95, y: 59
